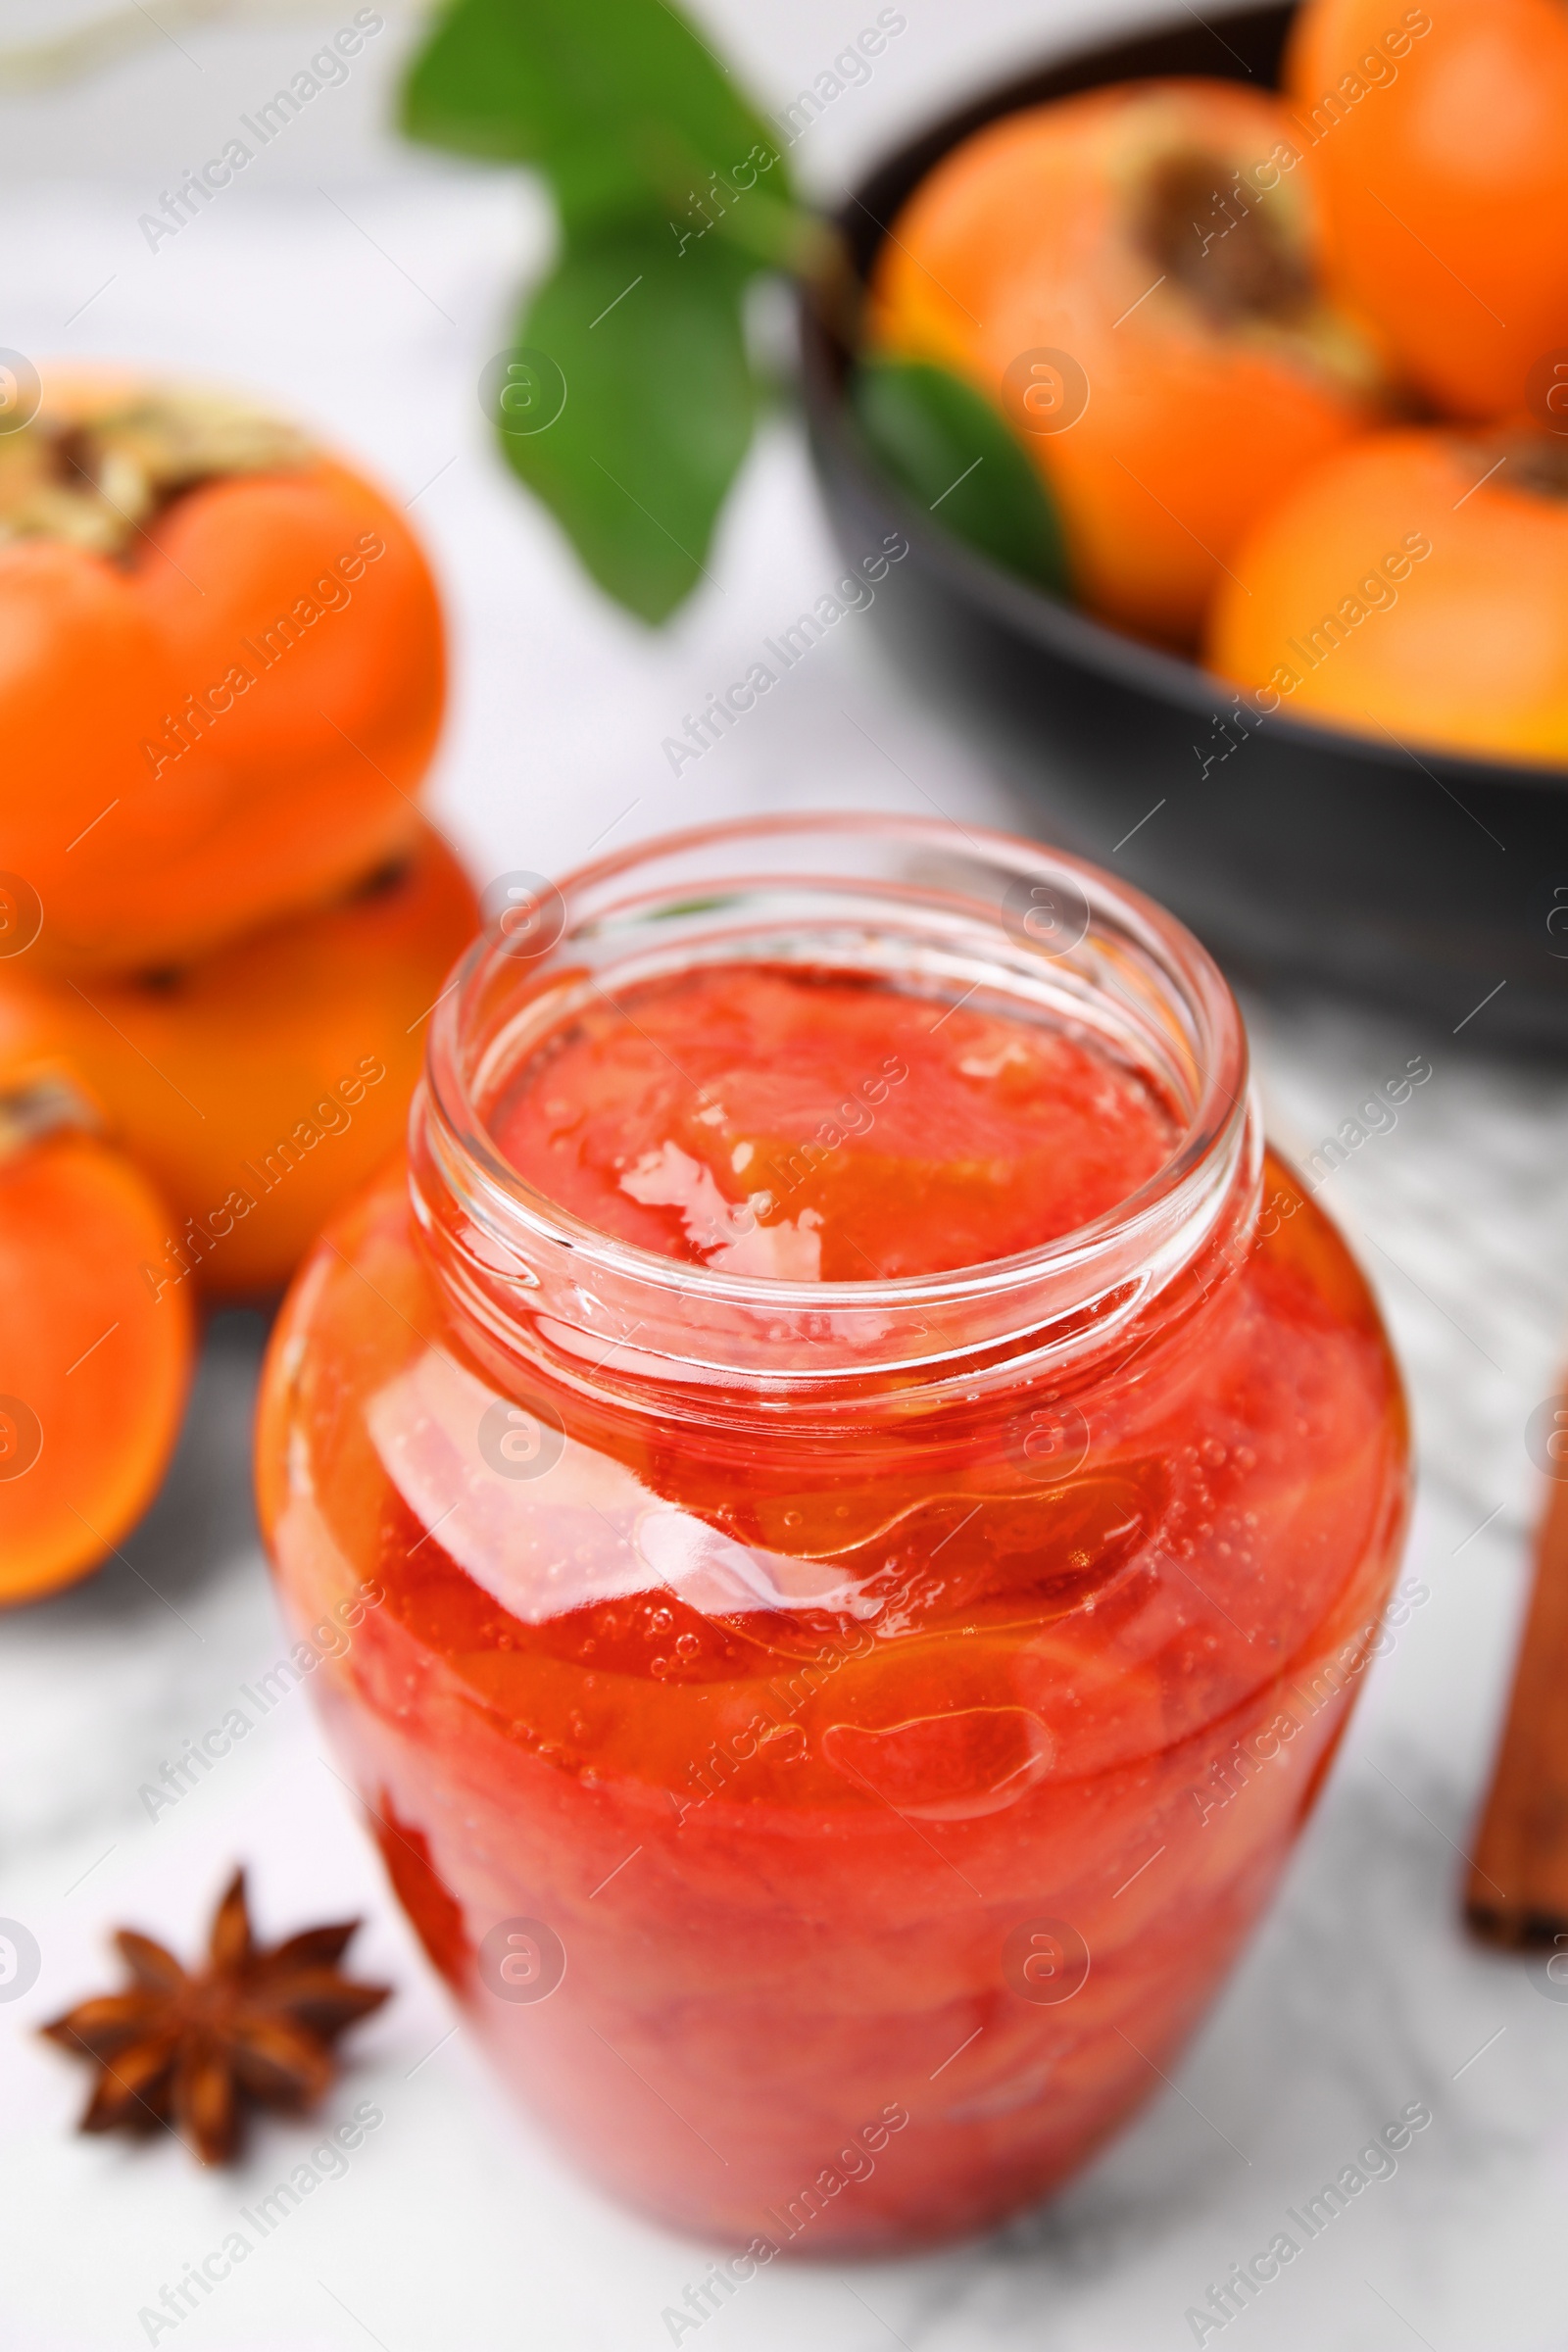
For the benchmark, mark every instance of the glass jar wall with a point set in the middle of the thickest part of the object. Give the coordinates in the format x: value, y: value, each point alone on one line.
x: 834, y: 1727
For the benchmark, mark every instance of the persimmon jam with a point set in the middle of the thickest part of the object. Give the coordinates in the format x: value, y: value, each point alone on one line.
x: 819, y: 1126
x: 866, y: 1536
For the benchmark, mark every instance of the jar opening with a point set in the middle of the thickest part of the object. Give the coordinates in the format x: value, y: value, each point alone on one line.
x: 975, y: 921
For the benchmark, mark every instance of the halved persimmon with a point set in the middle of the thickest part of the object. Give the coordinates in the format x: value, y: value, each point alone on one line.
x: 1132, y: 274
x: 93, y: 1366
x: 1415, y: 587
x: 1436, y: 141
x: 260, y: 1085
x: 220, y: 674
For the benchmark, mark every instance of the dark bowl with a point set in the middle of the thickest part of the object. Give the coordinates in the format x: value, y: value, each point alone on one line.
x: 1297, y: 851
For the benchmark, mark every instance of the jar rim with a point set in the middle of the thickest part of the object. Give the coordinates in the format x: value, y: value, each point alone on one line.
x: 768, y: 853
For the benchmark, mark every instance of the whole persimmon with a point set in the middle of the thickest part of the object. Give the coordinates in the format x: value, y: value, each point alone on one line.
x: 220, y: 674
x: 262, y: 1084
x: 1414, y: 588
x: 1436, y: 139
x: 94, y: 1369
x: 1132, y: 274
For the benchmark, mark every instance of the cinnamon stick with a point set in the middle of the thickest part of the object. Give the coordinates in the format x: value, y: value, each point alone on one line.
x: 1518, y: 1886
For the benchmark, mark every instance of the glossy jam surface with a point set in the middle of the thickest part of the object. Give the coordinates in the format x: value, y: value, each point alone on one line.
x: 819, y: 1126
x: 866, y: 1799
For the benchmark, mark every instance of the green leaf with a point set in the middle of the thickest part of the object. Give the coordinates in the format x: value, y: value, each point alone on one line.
x: 946, y: 446
x: 618, y: 101
x: 657, y: 413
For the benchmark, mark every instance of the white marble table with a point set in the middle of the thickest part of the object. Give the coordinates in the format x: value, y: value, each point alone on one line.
x: 452, y: 2224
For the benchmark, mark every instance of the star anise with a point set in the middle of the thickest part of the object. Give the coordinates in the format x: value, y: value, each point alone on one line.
x: 189, y: 2050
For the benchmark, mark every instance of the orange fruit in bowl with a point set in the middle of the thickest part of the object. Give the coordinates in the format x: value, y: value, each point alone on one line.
x: 1415, y: 588
x: 1436, y: 141
x: 1132, y: 275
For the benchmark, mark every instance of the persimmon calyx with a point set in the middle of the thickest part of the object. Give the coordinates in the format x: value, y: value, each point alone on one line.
x: 1238, y: 255
x: 45, y: 1106
x: 1536, y: 465
x: 93, y: 481
x: 1229, y: 252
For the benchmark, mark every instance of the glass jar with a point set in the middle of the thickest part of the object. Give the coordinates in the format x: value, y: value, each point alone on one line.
x: 834, y: 1738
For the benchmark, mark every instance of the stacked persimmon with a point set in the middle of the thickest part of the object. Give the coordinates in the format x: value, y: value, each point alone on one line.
x: 221, y: 915
x: 1293, y: 369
